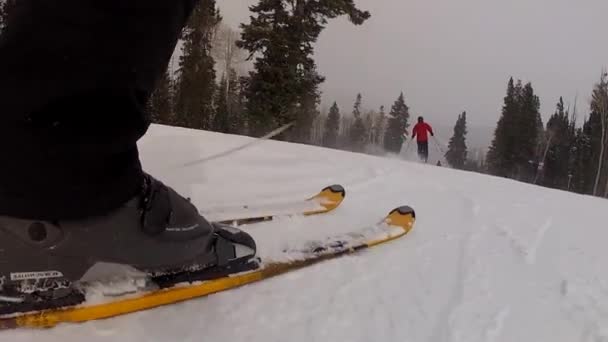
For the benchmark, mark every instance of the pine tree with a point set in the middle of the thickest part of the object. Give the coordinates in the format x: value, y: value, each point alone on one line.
x: 500, y: 154
x: 221, y: 120
x: 236, y: 109
x: 305, y: 114
x: 560, y: 138
x: 514, y: 149
x: 581, y: 165
x: 530, y: 128
x: 357, y: 133
x: 195, y: 86
x: 332, y: 126
x: 398, y: 124
x: 241, y: 122
x: 457, y: 148
x: 282, y: 34
x: 160, y: 104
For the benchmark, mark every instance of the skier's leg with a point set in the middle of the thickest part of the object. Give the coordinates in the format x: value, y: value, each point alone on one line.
x: 425, y: 151
x: 75, y: 78
x: 76, y: 75
x: 420, y: 150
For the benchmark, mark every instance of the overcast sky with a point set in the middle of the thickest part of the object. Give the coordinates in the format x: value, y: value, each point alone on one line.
x: 453, y: 55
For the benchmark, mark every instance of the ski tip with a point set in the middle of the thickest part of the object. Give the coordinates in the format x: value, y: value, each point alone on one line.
x: 336, y: 188
x: 403, y: 217
x: 405, y: 210
x: 329, y: 198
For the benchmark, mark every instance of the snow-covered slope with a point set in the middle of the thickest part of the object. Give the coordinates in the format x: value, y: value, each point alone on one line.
x: 488, y: 260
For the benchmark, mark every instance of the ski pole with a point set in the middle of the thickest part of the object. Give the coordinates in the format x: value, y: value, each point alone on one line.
x: 241, y: 147
x: 438, y: 145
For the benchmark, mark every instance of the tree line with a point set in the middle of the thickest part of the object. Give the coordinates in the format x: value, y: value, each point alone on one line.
x: 560, y: 154
x: 371, y: 132
x: 377, y: 132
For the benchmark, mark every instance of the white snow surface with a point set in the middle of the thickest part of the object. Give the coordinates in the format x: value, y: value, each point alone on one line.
x: 489, y: 259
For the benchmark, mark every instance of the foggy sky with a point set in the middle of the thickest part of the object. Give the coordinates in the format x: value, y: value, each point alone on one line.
x: 453, y: 55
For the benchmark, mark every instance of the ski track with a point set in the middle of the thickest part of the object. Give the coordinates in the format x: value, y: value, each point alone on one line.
x: 582, y: 308
x: 489, y: 259
x: 443, y: 327
x: 527, y: 251
x: 493, y: 331
x: 532, y: 250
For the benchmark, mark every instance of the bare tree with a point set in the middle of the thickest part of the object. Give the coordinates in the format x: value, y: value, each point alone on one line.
x: 549, y: 138
x: 225, y: 51
x: 600, y: 105
x: 603, y: 103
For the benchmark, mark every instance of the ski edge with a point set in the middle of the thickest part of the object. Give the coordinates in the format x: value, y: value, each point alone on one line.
x: 402, y: 218
x: 329, y: 198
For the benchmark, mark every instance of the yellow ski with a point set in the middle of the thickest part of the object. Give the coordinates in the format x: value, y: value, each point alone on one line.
x: 325, y: 201
x: 396, y: 224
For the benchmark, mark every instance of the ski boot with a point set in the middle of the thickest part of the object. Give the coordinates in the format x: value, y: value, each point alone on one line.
x: 158, y: 235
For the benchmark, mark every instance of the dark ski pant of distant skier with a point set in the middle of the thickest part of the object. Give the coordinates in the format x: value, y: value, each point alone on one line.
x: 75, y: 76
x: 423, y: 150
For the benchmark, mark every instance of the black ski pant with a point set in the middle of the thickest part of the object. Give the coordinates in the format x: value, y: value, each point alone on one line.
x: 75, y: 76
x: 423, y: 150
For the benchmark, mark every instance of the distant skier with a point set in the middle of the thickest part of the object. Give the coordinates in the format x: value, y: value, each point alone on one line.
x: 76, y: 76
x: 420, y: 132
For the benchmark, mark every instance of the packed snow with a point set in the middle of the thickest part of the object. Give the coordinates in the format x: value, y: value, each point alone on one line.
x: 489, y: 259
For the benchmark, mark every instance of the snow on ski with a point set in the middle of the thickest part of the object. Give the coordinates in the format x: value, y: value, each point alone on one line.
x: 396, y: 224
x: 328, y: 199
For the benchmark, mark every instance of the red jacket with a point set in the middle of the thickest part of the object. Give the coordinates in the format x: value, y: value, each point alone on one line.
x: 420, y: 130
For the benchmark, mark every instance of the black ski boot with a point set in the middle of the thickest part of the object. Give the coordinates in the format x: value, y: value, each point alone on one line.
x: 158, y: 234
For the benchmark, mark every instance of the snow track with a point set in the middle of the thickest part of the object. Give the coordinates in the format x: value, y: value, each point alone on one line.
x: 489, y: 259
